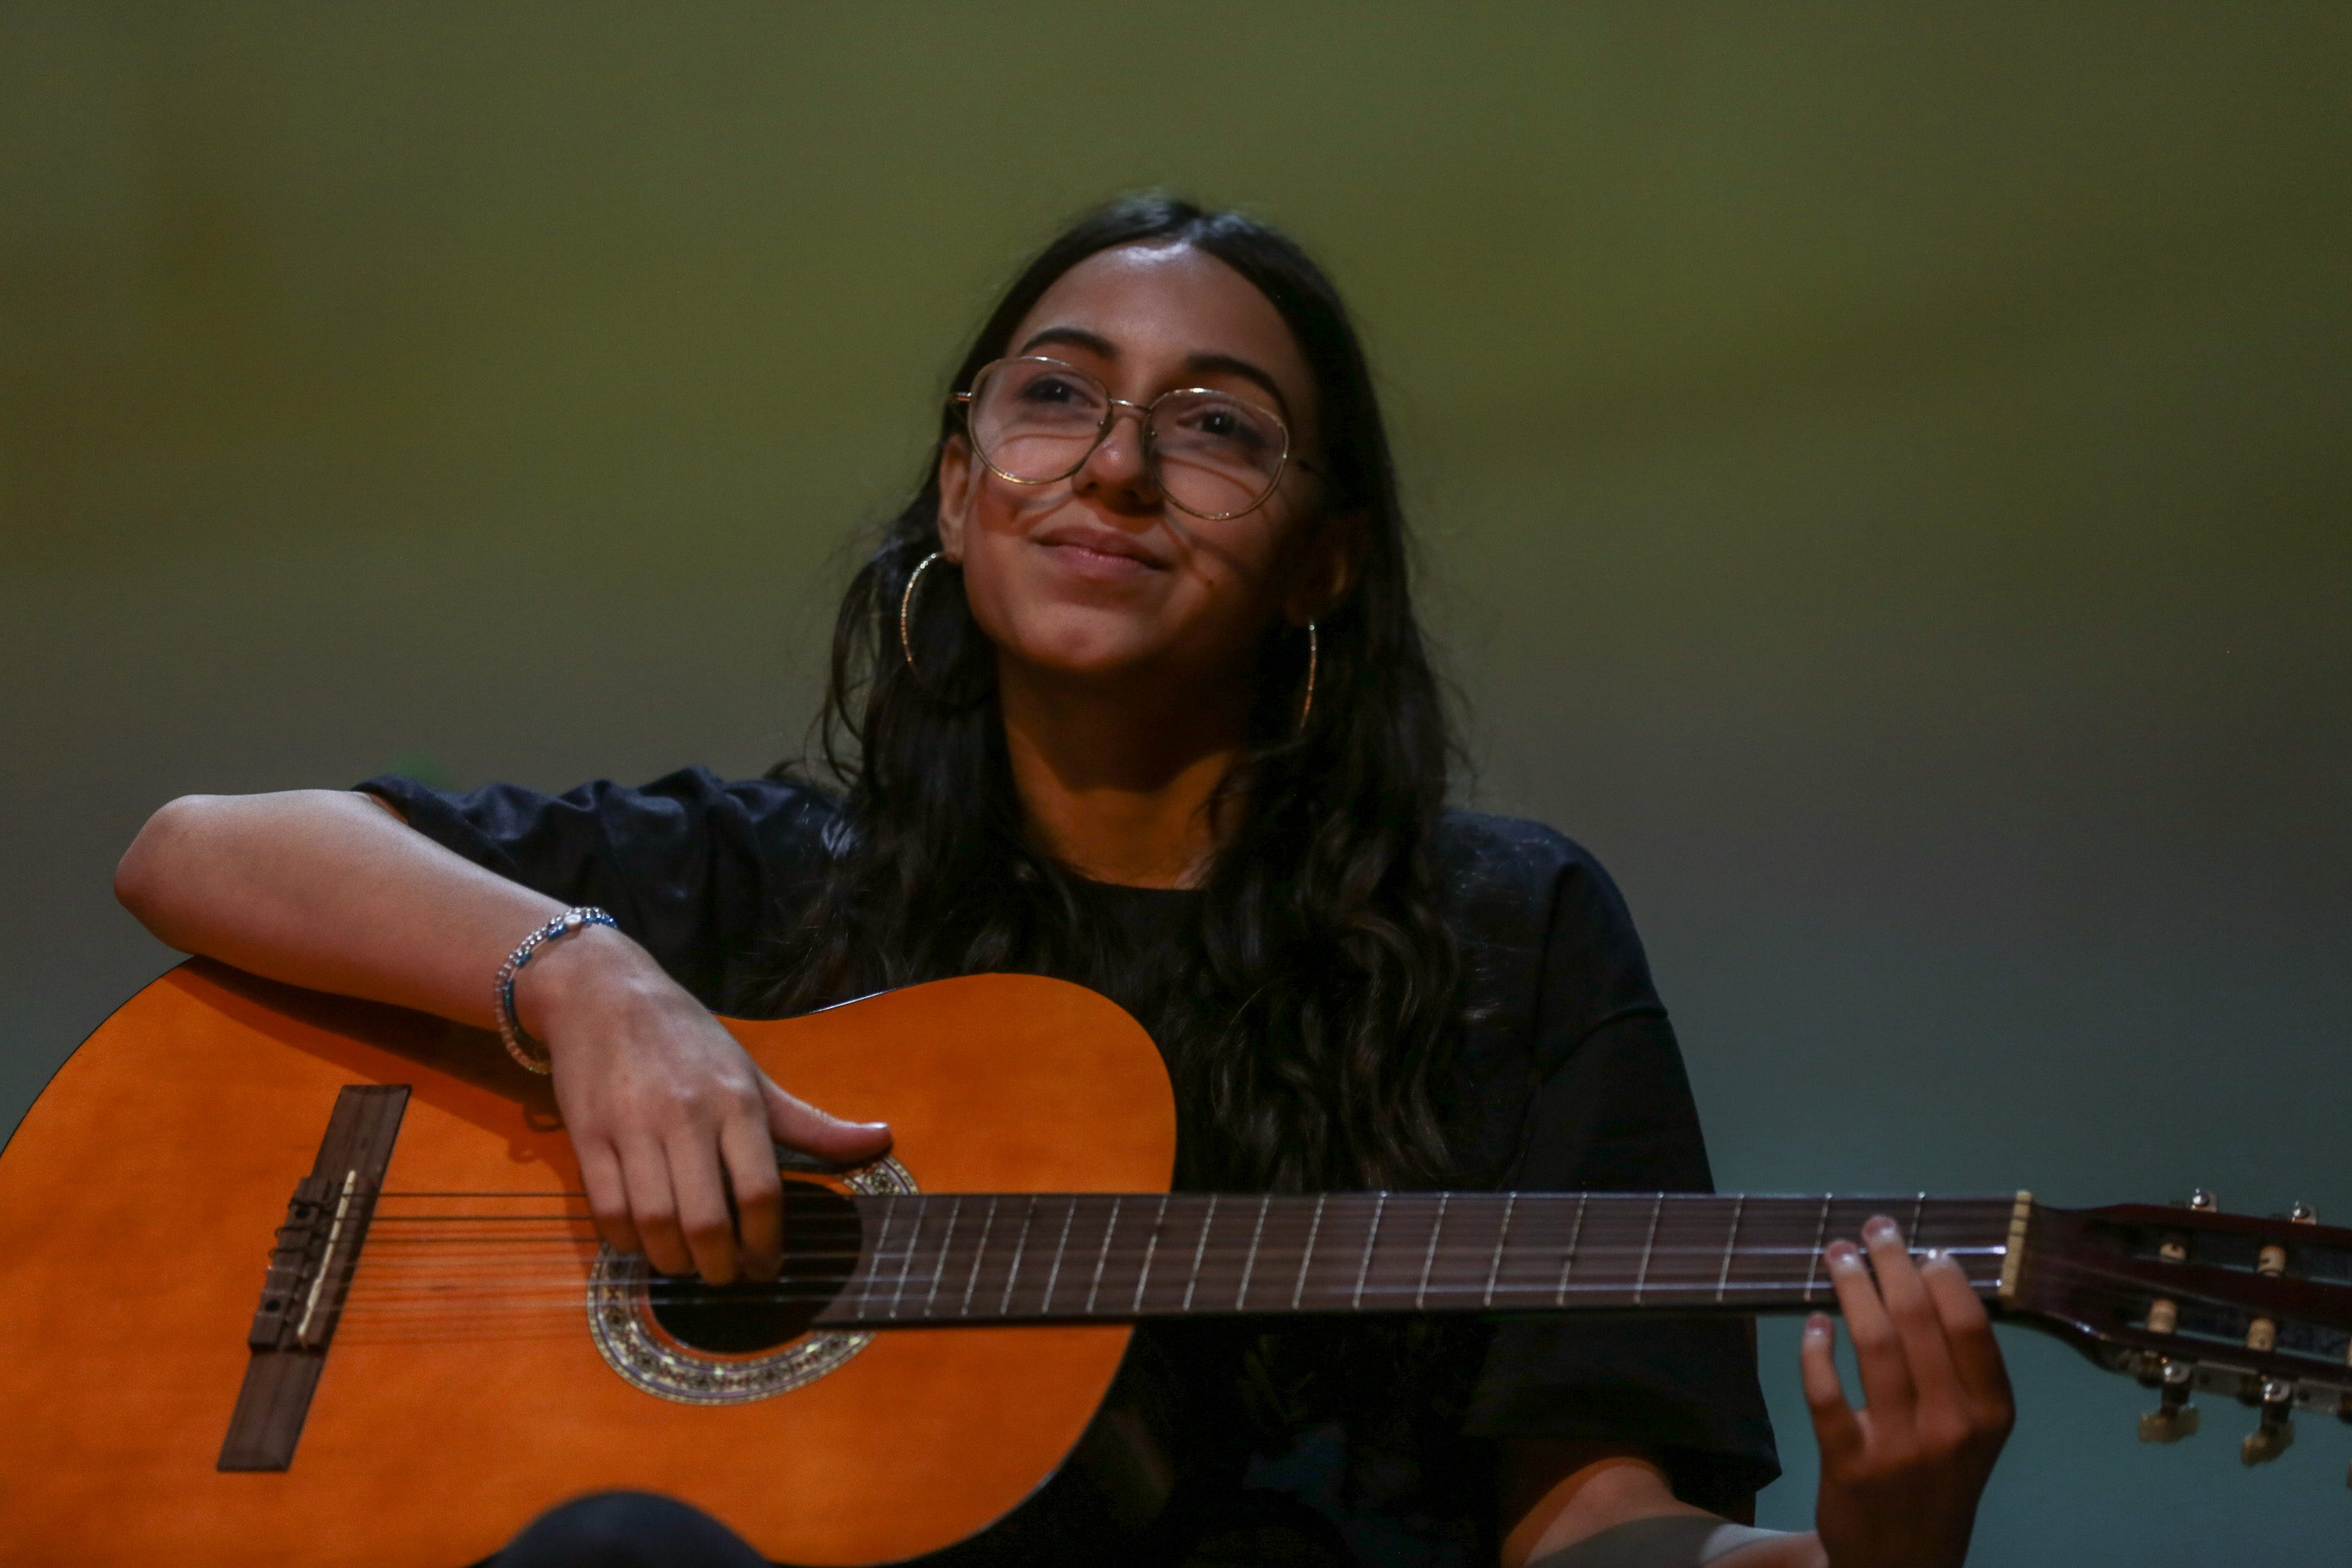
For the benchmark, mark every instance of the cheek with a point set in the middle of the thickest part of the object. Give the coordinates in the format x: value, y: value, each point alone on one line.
x: 1223, y: 587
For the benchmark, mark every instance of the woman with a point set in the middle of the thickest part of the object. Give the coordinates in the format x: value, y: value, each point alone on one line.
x: 1133, y: 693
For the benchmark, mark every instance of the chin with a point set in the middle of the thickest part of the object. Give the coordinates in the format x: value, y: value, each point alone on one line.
x: 1071, y: 641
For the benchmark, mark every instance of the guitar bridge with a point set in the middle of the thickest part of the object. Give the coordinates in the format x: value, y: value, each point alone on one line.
x: 309, y: 1275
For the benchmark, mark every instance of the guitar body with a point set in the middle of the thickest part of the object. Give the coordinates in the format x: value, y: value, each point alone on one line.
x: 139, y: 1200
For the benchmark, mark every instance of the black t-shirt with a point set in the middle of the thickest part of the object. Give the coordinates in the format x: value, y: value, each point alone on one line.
x: 1567, y: 1078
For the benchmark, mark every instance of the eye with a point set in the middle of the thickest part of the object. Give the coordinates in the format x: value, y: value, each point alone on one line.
x: 1227, y: 425
x: 1053, y: 389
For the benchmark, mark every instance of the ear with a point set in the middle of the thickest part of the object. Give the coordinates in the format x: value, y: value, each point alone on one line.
x: 959, y: 480
x: 1330, y: 563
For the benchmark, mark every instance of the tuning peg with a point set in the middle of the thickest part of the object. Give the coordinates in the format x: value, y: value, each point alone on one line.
x: 2304, y: 1214
x: 2276, y: 1434
x: 2174, y: 1417
x: 2203, y: 1199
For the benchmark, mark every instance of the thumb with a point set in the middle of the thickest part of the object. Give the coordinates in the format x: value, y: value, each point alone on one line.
x: 801, y: 1126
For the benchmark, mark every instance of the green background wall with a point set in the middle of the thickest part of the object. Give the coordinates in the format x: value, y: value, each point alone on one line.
x: 1883, y: 475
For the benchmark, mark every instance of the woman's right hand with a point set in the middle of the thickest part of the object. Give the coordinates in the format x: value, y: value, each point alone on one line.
x: 668, y: 1115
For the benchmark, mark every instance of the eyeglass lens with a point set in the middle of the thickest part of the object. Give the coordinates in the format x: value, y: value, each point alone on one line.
x: 1037, y: 420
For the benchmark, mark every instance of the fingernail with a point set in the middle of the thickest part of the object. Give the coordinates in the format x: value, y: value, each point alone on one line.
x: 1845, y: 1255
x: 1817, y: 1326
x: 1880, y: 1228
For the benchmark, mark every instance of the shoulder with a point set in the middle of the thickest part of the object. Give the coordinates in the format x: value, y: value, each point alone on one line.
x: 1551, y: 961
x: 1513, y: 883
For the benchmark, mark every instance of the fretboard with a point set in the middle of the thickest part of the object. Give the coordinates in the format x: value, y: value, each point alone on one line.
x: 1038, y: 1257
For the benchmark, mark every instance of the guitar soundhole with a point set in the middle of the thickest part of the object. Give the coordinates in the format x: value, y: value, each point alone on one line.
x: 822, y: 1240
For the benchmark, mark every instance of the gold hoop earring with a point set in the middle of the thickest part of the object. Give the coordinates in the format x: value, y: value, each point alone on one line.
x: 1306, y: 704
x: 907, y: 615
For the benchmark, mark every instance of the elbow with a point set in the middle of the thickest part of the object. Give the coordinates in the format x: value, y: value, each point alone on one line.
x: 148, y: 871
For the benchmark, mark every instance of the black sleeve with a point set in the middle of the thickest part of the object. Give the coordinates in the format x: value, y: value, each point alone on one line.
x: 1610, y: 1110
x: 707, y: 876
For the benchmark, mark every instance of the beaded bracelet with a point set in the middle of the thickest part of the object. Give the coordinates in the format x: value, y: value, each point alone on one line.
x: 511, y: 1027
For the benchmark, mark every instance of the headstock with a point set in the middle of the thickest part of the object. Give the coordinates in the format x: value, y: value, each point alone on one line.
x: 2188, y: 1298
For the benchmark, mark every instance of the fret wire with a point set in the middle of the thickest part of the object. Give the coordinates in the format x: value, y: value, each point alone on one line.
x: 1199, y: 1249
x: 1151, y: 1246
x: 899, y: 1291
x: 1429, y: 1259
x: 1501, y: 1236
x: 1314, y: 1227
x: 1821, y: 1236
x: 865, y: 1288
x: 1371, y: 1237
x: 1250, y: 1264
x: 1911, y: 1236
x: 947, y: 1245
x: 979, y: 1254
x: 1730, y: 1245
x: 1110, y: 1226
x: 1648, y: 1245
x: 1045, y: 1303
x: 1568, y: 1259
x: 1020, y: 1244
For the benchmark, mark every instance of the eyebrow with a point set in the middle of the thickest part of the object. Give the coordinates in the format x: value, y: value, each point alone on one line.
x: 1076, y: 337
x: 1194, y: 364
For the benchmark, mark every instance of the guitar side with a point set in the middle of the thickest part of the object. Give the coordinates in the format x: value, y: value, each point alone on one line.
x: 139, y: 1199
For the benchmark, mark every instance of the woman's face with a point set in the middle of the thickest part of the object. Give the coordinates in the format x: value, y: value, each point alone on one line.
x: 1097, y: 579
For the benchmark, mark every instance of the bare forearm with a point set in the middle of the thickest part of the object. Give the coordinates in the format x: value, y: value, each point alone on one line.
x: 1696, y: 1538
x: 1784, y: 1552
x: 325, y: 888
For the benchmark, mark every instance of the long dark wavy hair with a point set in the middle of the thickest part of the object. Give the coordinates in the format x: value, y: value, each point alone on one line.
x: 1305, y: 1027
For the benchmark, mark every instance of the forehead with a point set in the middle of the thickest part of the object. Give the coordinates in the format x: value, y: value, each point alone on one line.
x: 1161, y: 306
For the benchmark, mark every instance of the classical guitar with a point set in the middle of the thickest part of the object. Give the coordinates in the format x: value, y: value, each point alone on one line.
x: 292, y: 1279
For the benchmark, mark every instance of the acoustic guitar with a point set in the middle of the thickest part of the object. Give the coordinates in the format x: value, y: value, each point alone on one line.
x: 290, y: 1279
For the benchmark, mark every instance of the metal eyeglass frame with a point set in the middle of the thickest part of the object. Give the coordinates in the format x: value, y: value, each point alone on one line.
x: 1111, y: 406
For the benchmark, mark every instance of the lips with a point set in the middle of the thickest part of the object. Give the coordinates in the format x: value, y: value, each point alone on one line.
x: 1100, y: 549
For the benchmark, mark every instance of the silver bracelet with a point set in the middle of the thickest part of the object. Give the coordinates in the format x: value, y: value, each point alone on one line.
x: 510, y: 1029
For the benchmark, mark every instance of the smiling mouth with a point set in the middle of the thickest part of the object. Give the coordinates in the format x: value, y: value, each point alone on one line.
x: 1086, y: 553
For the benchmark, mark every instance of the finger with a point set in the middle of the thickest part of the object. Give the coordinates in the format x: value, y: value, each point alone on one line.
x: 1967, y: 1330
x: 702, y: 1214
x: 1835, y: 1426
x: 1877, y: 1346
x: 798, y: 1125
x: 608, y: 1196
x: 750, y: 1155
x: 1914, y: 1314
x: 654, y: 1206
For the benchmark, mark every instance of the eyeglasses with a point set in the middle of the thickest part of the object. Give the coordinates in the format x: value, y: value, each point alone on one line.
x: 1036, y: 420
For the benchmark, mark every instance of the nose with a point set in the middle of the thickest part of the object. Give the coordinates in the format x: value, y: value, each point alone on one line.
x: 1119, y: 468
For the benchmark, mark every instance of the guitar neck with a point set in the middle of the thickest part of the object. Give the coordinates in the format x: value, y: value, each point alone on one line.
x: 1042, y: 1257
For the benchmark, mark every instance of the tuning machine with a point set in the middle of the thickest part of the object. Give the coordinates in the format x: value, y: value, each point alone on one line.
x: 2174, y: 1417
x: 2276, y: 1433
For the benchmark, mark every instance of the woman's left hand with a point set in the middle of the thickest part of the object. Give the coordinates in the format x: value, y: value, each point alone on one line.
x: 1901, y: 1477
